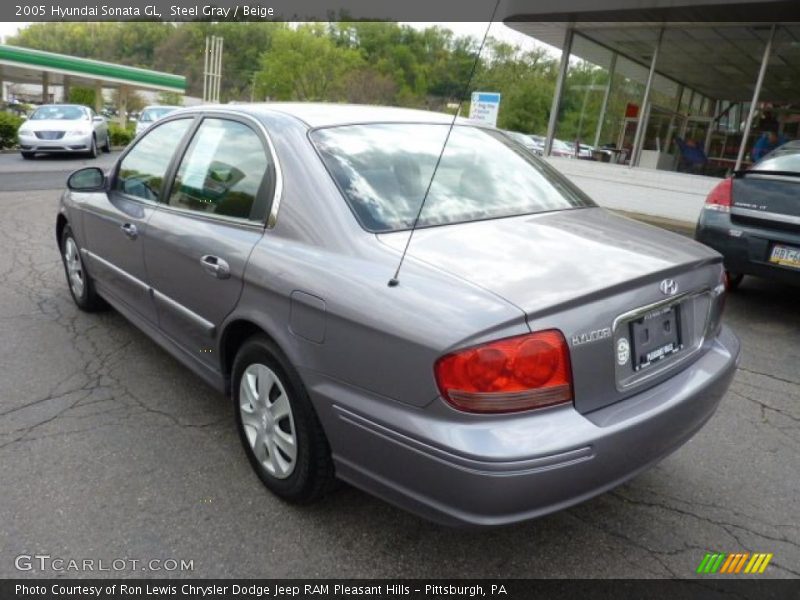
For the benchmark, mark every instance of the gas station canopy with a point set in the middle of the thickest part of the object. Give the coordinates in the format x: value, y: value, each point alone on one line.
x: 23, y: 65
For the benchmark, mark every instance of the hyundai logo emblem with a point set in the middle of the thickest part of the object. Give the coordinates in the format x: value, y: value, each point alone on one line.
x: 668, y: 287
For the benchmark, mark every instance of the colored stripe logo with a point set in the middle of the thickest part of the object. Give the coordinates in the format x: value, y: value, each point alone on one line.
x: 734, y: 563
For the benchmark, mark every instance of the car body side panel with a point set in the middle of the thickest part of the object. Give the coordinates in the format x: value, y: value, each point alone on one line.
x: 192, y: 303
x: 116, y: 260
x: 375, y: 335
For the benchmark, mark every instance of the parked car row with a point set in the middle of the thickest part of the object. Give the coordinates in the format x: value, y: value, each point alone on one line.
x: 535, y: 144
x: 74, y: 128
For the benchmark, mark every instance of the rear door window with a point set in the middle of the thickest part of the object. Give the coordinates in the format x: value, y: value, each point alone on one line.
x: 223, y: 171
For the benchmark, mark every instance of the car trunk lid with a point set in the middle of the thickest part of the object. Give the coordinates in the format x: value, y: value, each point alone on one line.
x: 578, y: 271
x: 766, y: 198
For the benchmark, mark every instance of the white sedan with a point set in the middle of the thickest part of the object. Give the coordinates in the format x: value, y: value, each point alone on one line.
x: 63, y: 128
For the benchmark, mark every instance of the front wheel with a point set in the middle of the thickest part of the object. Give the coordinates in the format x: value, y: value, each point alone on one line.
x: 107, y: 145
x: 81, y: 286
x: 27, y: 155
x: 279, y: 429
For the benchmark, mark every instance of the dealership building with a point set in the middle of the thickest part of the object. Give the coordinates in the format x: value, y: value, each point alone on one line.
x: 690, y: 85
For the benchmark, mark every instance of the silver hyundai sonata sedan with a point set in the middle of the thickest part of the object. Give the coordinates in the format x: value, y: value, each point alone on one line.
x: 535, y: 350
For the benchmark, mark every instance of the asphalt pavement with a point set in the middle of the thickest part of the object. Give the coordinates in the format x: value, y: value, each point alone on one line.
x: 110, y: 449
x: 51, y: 170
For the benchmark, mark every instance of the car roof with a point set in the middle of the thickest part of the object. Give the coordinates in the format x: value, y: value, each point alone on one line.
x: 61, y: 105
x: 321, y: 114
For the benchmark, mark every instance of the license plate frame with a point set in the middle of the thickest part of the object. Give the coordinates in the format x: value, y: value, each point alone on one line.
x: 785, y: 255
x: 655, y: 336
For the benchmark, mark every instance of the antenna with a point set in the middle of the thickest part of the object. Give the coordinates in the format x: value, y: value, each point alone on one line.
x: 394, y: 281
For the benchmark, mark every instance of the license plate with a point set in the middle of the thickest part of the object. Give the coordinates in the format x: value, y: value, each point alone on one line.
x: 655, y: 336
x: 786, y: 256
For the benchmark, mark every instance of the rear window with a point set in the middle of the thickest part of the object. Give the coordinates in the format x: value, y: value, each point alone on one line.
x: 782, y: 159
x: 384, y: 169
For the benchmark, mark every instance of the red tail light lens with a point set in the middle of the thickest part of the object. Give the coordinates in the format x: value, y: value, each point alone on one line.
x: 721, y: 196
x: 515, y: 374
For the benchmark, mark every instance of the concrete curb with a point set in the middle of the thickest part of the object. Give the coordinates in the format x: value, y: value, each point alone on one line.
x: 681, y: 227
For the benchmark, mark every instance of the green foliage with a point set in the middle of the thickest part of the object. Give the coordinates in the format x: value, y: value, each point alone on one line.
x: 9, y: 124
x: 170, y: 98
x: 120, y: 136
x: 304, y: 64
x: 81, y: 95
x: 363, y: 62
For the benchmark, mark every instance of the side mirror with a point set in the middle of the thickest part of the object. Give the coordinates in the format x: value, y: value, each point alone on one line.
x: 90, y: 179
x: 98, y: 119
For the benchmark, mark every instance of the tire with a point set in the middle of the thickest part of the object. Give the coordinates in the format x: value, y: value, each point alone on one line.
x: 107, y: 145
x: 273, y: 407
x: 80, y: 284
x: 93, y: 152
x: 732, y: 280
x: 27, y: 155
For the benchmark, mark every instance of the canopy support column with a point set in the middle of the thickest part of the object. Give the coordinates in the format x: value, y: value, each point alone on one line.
x: 604, y: 106
x: 98, y: 97
x: 756, y: 93
x: 122, y: 105
x: 45, y: 87
x: 641, y: 125
x: 559, y: 91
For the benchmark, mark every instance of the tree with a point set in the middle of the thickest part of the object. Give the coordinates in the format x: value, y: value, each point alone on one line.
x: 304, y: 64
x: 170, y: 98
x: 81, y: 95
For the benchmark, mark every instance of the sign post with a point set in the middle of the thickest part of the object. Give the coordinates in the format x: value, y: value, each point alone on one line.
x: 484, y: 106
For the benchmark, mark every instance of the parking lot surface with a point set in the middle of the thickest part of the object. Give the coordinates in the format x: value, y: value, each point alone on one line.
x: 110, y: 449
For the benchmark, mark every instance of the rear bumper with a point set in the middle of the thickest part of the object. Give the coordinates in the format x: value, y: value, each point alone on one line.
x: 747, y: 249
x: 462, y: 469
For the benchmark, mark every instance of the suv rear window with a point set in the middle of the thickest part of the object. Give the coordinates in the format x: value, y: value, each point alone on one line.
x: 383, y: 170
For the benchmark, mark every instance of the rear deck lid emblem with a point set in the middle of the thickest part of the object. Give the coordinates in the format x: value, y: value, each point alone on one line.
x: 668, y: 287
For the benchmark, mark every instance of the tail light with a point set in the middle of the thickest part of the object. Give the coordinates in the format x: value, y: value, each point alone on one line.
x: 514, y: 374
x: 721, y: 196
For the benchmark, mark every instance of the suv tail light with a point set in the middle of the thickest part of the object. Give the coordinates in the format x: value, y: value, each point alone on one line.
x: 514, y: 374
x: 721, y: 196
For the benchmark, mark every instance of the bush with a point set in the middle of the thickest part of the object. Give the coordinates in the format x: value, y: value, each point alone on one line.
x: 81, y: 95
x: 9, y: 124
x: 120, y: 136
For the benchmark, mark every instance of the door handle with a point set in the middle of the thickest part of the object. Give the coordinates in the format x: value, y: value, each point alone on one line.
x: 129, y: 229
x: 215, y: 266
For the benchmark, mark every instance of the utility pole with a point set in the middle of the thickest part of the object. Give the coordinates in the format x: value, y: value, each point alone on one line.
x: 212, y: 69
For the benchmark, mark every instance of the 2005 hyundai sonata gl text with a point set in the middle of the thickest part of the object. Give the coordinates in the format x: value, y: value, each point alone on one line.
x: 537, y: 351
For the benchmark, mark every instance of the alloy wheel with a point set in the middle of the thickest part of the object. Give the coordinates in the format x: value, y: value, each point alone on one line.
x: 74, y: 267
x: 268, y: 420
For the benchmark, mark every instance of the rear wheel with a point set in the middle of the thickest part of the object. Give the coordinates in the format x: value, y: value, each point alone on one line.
x: 81, y: 285
x: 107, y: 145
x: 732, y: 280
x: 279, y: 429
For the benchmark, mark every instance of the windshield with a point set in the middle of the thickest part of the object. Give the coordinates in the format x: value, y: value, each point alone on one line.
x: 785, y: 158
x: 59, y: 113
x: 383, y: 171
x: 153, y: 114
